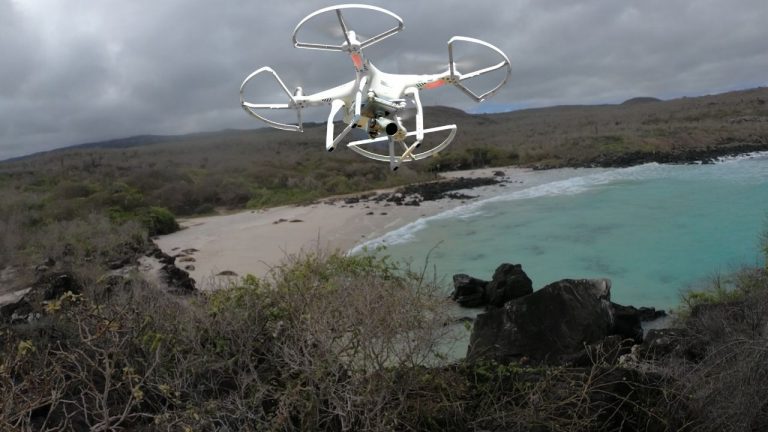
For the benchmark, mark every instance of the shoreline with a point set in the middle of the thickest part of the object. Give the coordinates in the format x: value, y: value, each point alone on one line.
x: 254, y: 241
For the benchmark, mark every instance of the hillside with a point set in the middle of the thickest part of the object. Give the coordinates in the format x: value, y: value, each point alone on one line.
x: 606, y: 134
x: 197, y: 173
x: 559, y: 135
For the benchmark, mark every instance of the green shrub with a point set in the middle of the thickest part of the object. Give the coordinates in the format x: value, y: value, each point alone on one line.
x: 159, y: 221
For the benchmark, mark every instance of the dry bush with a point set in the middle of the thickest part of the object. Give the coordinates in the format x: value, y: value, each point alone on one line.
x: 723, y: 377
x: 330, y: 343
x: 353, y: 336
x: 86, y: 245
x: 599, y: 397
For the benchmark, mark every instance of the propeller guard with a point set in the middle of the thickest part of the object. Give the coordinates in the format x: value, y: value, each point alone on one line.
x: 348, y: 46
x: 251, y: 108
x: 455, y: 77
x: 409, y: 150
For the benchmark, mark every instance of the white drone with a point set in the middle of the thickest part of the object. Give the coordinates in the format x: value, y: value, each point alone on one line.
x: 375, y: 101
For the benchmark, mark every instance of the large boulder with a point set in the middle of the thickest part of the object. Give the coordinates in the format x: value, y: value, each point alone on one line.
x: 626, y: 322
x: 509, y: 282
x: 545, y: 326
x: 468, y: 291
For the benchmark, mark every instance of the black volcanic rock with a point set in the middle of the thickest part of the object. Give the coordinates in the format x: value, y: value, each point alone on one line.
x: 468, y: 291
x: 626, y: 322
x: 553, y: 322
x: 177, y: 279
x: 509, y: 282
x: 650, y: 313
x: 435, y: 190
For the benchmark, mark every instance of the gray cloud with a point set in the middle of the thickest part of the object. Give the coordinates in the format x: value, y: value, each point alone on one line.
x: 90, y: 70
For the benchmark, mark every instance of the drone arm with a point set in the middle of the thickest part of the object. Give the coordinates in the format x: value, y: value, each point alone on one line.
x: 384, y: 35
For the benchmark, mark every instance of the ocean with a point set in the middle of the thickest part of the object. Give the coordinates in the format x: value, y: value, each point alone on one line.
x: 654, y: 230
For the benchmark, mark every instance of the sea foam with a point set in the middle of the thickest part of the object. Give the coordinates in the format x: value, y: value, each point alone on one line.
x: 568, y: 186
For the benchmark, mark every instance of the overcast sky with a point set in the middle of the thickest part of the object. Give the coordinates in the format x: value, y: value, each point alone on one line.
x: 76, y: 71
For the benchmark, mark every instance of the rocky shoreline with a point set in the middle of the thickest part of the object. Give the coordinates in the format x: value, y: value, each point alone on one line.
x: 707, y: 155
x: 560, y: 323
x: 55, y: 281
x: 415, y: 194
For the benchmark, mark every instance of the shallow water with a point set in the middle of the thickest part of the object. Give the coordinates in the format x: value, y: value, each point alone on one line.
x: 654, y: 230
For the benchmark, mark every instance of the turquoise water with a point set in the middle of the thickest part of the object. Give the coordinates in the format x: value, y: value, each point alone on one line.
x: 654, y: 230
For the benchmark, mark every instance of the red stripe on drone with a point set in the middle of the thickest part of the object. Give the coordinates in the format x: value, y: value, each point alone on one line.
x: 358, y: 61
x: 434, y: 84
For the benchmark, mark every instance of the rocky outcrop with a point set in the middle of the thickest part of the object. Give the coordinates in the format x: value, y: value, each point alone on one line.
x: 545, y: 326
x: 415, y: 194
x: 176, y: 279
x: 509, y: 282
x: 469, y: 291
x: 436, y: 190
x: 28, y: 304
x: 566, y: 322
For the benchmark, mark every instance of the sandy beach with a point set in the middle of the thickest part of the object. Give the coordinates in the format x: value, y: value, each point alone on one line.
x: 253, y: 241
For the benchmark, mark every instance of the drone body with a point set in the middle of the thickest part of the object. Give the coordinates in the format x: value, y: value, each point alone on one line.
x: 374, y: 101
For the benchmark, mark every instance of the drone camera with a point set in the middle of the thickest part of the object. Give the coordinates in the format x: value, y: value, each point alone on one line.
x: 389, y: 126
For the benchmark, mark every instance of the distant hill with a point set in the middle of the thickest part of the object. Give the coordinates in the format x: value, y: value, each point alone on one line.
x: 192, y: 174
x: 558, y: 136
x: 639, y: 100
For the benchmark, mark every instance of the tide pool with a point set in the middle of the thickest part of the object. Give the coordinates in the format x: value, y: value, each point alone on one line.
x: 654, y: 230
